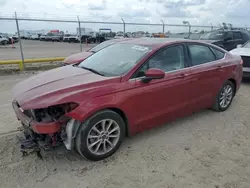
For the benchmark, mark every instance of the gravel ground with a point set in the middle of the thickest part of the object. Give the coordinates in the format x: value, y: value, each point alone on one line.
x: 207, y: 149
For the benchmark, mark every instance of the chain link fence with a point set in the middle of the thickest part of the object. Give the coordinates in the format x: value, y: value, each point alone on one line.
x: 41, y: 49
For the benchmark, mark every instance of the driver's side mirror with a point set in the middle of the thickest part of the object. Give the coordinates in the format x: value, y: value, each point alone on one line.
x: 152, y: 74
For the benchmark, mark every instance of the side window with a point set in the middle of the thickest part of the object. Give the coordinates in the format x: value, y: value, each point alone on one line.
x: 237, y: 35
x: 200, y: 54
x: 168, y: 59
x: 219, y: 54
x: 229, y: 35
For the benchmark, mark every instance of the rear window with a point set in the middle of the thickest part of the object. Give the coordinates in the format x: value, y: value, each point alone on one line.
x: 216, y: 35
x: 219, y: 54
x: 237, y: 35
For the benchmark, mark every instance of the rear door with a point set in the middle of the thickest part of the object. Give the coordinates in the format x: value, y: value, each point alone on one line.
x: 238, y: 38
x: 229, y: 42
x: 206, y: 73
x: 165, y: 99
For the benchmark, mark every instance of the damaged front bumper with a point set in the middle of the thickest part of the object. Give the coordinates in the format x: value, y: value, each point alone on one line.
x: 45, y: 135
x: 38, y: 127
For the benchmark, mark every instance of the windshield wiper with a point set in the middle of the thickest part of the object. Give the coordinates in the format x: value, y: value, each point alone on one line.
x: 92, y: 70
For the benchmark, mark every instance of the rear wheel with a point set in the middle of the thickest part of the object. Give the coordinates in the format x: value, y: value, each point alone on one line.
x: 224, y: 97
x: 100, y: 136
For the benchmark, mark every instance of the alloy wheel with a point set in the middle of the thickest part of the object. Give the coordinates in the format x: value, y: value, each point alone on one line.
x: 103, y: 137
x: 226, y: 96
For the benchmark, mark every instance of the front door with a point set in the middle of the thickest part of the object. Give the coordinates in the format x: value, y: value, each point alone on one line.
x: 165, y: 99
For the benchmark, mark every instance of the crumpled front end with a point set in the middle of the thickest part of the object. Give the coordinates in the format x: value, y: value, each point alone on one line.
x: 44, y: 121
x: 44, y: 128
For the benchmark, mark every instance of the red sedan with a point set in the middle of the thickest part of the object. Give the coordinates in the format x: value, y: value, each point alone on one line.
x: 124, y: 89
x: 79, y: 57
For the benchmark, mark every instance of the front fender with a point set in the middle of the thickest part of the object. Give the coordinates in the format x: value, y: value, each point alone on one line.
x: 87, y: 109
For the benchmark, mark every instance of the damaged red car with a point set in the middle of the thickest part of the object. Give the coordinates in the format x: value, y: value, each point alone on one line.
x: 121, y: 90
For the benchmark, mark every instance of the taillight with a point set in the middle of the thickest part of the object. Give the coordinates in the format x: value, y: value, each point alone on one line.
x: 241, y: 62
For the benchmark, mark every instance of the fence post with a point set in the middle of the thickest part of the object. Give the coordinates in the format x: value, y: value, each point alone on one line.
x: 124, y: 27
x: 163, y: 27
x: 212, y: 28
x: 189, y: 30
x: 80, y: 33
x: 21, y: 65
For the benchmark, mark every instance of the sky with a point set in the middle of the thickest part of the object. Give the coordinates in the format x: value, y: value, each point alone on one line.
x: 197, y: 12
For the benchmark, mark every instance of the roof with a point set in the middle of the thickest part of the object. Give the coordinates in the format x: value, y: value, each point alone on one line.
x: 154, y: 42
x: 227, y: 30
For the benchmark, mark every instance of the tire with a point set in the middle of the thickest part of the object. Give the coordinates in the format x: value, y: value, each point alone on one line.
x: 97, y: 152
x: 218, y: 105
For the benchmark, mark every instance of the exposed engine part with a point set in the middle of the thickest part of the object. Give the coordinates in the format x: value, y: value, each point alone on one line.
x: 52, y: 113
x: 33, y: 142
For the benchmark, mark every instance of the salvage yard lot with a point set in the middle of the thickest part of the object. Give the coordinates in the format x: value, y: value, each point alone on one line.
x: 41, y: 49
x: 207, y: 149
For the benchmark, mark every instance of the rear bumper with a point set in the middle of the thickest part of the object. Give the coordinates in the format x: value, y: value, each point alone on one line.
x: 38, y: 127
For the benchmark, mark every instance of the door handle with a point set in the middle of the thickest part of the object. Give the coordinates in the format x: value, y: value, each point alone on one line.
x: 183, y: 75
x: 219, y: 68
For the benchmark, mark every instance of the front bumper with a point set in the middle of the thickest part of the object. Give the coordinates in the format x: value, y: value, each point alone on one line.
x: 38, y: 127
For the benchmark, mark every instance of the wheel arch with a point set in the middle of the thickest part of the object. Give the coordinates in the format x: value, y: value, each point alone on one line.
x: 124, y: 117
x: 116, y: 110
x: 234, y: 83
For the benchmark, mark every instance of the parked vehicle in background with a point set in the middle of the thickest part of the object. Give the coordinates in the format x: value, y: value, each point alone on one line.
x: 73, y: 38
x: 3, y: 40
x: 15, y: 38
x: 66, y: 38
x: 159, y: 35
x: 124, y: 89
x: 53, y: 37
x: 34, y: 37
x: 79, y: 57
x: 227, y: 39
x: 10, y: 40
x: 42, y: 37
x: 119, y: 35
x: 244, y: 52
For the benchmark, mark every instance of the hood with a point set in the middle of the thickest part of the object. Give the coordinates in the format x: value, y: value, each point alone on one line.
x: 76, y: 58
x: 241, y: 51
x: 52, y: 86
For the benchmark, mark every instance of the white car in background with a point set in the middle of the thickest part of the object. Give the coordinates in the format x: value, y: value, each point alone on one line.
x: 3, y: 40
x: 244, y: 52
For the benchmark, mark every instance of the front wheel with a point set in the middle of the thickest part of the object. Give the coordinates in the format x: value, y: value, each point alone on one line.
x: 224, y: 97
x: 100, y: 136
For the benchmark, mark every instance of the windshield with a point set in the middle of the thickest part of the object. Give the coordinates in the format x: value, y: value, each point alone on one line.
x: 213, y: 36
x: 101, y: 46
x: 115, y: 60
x: 247, y: 45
